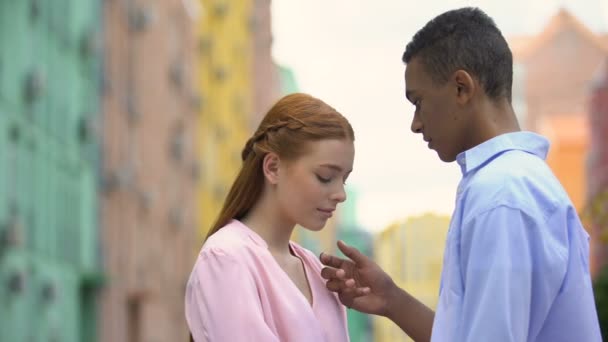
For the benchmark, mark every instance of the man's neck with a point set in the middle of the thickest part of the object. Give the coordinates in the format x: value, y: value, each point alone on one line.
x: 492, y: 120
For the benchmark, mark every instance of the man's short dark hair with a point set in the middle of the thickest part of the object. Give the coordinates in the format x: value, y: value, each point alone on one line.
x: 466, y: 39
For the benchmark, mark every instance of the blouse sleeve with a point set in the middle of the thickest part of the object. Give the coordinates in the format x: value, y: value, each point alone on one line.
x: 222, y: 302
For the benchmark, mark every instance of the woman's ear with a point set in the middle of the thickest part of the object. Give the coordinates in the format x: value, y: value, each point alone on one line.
x: 270, y: 166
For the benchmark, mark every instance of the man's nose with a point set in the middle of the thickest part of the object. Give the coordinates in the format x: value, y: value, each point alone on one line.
x: 416, y: 126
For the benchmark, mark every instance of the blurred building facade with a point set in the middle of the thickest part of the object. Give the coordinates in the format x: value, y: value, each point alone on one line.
x: 239, y: 82
x: 225, y: 69
x: 553, y: 72
x: 150, y: 170
x: 49, y: 105
x: 412, y: 253
x: 267, y: 87
x: 597, y: 170
x: 553, y: 89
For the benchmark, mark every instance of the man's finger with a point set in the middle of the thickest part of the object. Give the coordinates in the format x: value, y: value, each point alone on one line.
x: 352, y: 293
x: 347, y: 301
x: 332, y: 273
x: 335, y: 285
x: 353, y: 253
x: 330, y: 260
x: 347, y: 287
x: 362, y: 291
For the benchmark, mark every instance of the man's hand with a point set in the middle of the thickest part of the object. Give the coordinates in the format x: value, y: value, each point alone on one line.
x: 360, y: 283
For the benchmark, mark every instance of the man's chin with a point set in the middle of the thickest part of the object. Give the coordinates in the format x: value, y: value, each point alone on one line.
x: 445, y: 158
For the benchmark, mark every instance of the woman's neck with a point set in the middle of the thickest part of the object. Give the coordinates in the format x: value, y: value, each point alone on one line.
x: 266, y: 220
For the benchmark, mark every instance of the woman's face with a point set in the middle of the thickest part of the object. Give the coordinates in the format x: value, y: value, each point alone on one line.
x: 310, y: 187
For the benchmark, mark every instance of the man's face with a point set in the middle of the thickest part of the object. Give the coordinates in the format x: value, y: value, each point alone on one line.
x: 437, y: 115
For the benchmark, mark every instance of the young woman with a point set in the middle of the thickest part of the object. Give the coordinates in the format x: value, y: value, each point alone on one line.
x: 250, y: 282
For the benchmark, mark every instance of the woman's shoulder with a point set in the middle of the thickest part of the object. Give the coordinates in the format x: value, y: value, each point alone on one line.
x: 226, y: 257
x: 231, y: 241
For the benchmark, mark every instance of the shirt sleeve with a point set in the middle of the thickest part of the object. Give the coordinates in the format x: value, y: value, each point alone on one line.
x: 507, y: 257
x: 222, y: 302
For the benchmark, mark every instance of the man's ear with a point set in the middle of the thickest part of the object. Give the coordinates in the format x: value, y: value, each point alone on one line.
x: 466, y: 86
x: 270, y: 166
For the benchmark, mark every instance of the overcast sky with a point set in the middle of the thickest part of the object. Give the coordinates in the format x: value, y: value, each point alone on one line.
x: 348, y: 53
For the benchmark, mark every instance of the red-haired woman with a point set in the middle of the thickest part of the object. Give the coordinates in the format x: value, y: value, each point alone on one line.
x: 250, y: 282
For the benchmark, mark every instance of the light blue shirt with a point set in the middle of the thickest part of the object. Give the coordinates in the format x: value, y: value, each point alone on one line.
x: 516, y: 263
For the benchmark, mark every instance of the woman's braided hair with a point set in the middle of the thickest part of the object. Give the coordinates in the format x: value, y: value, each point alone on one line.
x: 291, y: 124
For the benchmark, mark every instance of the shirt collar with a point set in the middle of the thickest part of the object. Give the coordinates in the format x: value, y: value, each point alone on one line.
x: 529, y: 142
x: 257, y: 239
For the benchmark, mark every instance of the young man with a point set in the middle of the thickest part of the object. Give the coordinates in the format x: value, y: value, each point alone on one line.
x: 516, y: 256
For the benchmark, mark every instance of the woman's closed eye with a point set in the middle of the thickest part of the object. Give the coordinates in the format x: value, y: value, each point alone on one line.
x: 324, y: 180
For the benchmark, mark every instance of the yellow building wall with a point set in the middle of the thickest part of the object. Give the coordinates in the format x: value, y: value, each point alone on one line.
x: 225, y: 59
x: 411, y: 252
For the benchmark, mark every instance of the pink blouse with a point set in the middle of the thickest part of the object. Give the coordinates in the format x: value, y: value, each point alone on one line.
x: 238, y: 292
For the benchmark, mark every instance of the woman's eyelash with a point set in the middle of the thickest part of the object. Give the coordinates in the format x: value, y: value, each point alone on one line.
x: 323, y: 180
